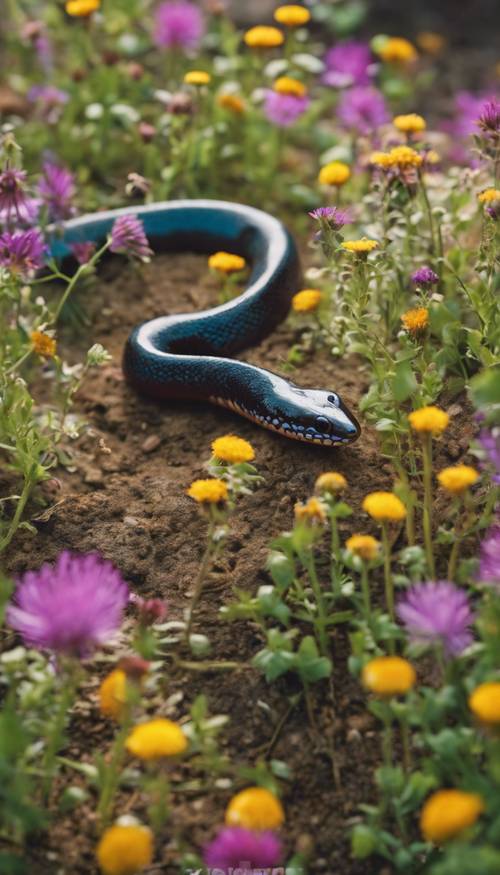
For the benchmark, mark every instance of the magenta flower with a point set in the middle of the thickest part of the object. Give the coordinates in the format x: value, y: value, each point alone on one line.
x: 70, y: 607
x: 348, y: 64
x: 57, y: 191
x: 83, y: 252
x: 489, y: 117
x: 424, y: 277
x: 22, y: 252
x: 128, y: 237
x: 243, y: 851
x: 490, y: 443
x: 13, y: 197
x: 331, y: 216
x: 489, y: 566
x: 178, y: 24
x: 437, y: 612
x: 284, y: 109
x: 362, y: 109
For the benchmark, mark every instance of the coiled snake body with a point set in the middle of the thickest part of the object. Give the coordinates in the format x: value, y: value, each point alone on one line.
x: 189, y: 355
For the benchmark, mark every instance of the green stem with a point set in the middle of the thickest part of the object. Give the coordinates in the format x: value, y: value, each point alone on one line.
x: 74, y: 280
x: 29, y: 482
x: 427, y: 511
x: 335, y: 553
x: 56, y: 729
x: 365, y: 592
x: 208, y: 556
x: 405, y: 743
x: 112, y: 773
x: 310, y: 566
x: 388, y: 581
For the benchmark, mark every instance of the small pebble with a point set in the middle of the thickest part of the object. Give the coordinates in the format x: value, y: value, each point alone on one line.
x: 151, y: 443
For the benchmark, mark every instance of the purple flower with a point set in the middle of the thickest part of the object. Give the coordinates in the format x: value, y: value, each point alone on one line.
x: 83, y: 252
x: 437, y: 612
x: 490, y: 443
x: 331, y: 216
x: 489, y: 567
x: 243, y: 851
x: 13, y: 197
x: 284, y: 109
x: 128, y: 237
x: 362, y: 110
x: 425, y: 277
x: 489, y: 118
x: 70, y: 607
x: 347, y: 64
x: 178, y: 24
x: 49, y: 101
x: 22, y: 251
x: 57, y: 190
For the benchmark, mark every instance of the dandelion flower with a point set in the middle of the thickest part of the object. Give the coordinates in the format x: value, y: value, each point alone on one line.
x: 43, y: 344
x: 403, y: 157
x: 125, y: 850
x: 415, y: 321
x: 232, y: 102
x: 178, y: 24
x: 156, y: 739
x: 388, y: 676
x: 312, y: 511
x: 128, y: 237
x: 489, y: 195
x: 366, y: 547
x: 397, y: 50
x: 384, y: 507
x: 409, y: 124
x: 82, y: 8
x: 457, y: 478
x: 70, y: 607
x: 226, y: 262
x: 334, y: 173
x: 331, y: 482
x: 197, y: 77
x: 484, y: 702
x: 263, y: 37
x: 447, y: 813
x: 288, y: 85
x: 380, y: 159
x: 360, y: 247
x: 255, y: 808
x: 292, y: 15
x: 113, y: 694
x: 437, y: 612
x: 259, y: 850
x: 233, y: 449
x: 307, y: 300
x: 429, y: 420
x: 210, y: 491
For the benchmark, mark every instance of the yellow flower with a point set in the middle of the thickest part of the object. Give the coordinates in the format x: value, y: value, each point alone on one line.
x: 429, y: 420
x: 447, y: 813
x: 156, y: 739
x: 255, y: 808
x: 197, y: 77
x: 312, y: 511
x: 415, y: 321
x: 388, y: 675
x: 125, y: 850
x: 360, y: 247
x: 404, y: 156
x: 233, y: 449
x: 306, y: 300
x: 457, y: 478
x: 208, y: 491
x: 431, y: 157
x: 292, y: 15
x: 409, y: 124
x: 484, y: 702
x: 334, y: 173
x: 82, y: 8
x: 232, y: 102
x: 330, y: 481
x: 226, y: 262
x: 397, y: 50
x: 489, y: 195
x: 364, y: 546
x: 430, y: 42
x: 263, y: 37
x: 288, y: 85
x: 384, y: 506
x: 113, y: 694
x: 380, y: 159
x: 43, y: 344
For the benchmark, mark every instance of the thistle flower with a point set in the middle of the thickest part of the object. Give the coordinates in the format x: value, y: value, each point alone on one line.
x: 13, y: 195
x: 43, y: 344
x: 83, y: 252
x: 283, y: 110
x: 424, y: 277
x: 330, y: 482
x: 489, y: 566
x: 263, y: 37
x: 457, y: 478
x: 484, y: 702
x: 437, y: 612
x: 397, y: 50
x: 289, y: 85
x: 306, y: 301
x: 360, y: 247
x: 384, y: 507
x: 125, y: 850
x: 332, y: 217
x: 57, y: 191
x: 447, y: 813
x: 70, y: 607
x: 178, y: 24
x: 292, y: 15
x: 489, y: 118
x: 409, y: 124
x: 335, y: 173
x: 362, y: 109
x: 197, y: 77
x: 347, y: 64
x: 22, y: 252
x: 113, y: 694
x: 241, y: 850
x: 490, y: 444
x: 415, y: 321
x: 150, y: 611
x: 226, y: 262
x: 255, y: 808
x: 388, y: 676
x: 156, y: 739
x: 233, y: 449
x: 82, y: 8
x: 210, y: 491
x: 365, y: 546
x: 128, y: 237
x: 429, y: 420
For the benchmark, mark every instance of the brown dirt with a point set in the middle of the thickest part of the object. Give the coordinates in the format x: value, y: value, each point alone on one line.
x: 126, y: 499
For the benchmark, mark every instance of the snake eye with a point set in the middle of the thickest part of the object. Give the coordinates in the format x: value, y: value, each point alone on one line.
x: 322, y: 423
x: 334, y: 399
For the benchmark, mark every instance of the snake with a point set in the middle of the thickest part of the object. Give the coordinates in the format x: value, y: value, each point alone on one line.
x: 191, y: 355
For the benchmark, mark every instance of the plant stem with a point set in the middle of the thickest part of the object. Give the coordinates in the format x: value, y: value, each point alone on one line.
x: 56, y: 729
x: 112, y: 774
x: 389, y: 583
x: 310, y: 566
x: 365, y: 592
x: 206, y: 562
x: 29, y: 482
x: 427, y: 512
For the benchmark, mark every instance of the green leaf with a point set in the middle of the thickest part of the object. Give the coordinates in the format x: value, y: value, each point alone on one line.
x: 404, y: 383
x: 485, y: 387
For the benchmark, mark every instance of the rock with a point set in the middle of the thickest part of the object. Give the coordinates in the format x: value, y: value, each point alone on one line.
x: 151, y: 443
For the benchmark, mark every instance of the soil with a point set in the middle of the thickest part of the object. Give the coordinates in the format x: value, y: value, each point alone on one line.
x: 126, y: 499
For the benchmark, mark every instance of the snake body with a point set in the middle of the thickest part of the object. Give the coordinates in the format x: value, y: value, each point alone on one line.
x: 190, y: 355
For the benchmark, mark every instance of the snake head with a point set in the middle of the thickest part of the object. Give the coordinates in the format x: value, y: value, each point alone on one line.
x: 320, y: 416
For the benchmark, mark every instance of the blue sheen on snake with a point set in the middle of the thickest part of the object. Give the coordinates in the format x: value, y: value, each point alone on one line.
x: 189, y: 356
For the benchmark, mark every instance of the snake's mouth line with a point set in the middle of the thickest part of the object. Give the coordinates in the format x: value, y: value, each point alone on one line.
x: 287, y: 430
